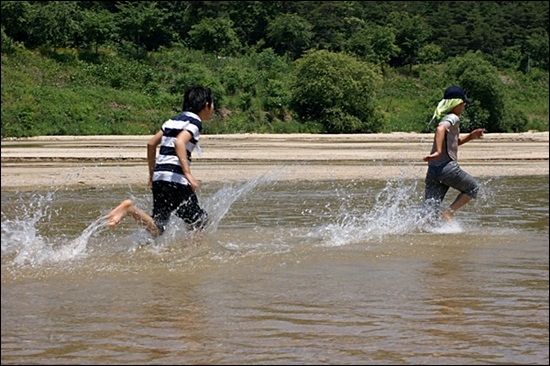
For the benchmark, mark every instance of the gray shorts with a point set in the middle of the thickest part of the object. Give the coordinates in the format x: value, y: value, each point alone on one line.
x: 440, y: 178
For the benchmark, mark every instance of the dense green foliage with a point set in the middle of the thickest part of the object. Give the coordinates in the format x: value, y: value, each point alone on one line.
x: 337, y: 91
x: 88, y: 67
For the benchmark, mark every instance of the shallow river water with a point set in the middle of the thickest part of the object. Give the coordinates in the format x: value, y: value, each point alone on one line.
x: 331, y: 272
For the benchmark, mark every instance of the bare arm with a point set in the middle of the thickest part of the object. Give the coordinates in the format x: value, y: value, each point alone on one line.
x: 152, y: 153
x: 439, y: 139
x: 180, y: 145
x: 475, y: 134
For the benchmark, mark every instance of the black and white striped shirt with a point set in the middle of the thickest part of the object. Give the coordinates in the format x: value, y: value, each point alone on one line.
x: 168, y: 167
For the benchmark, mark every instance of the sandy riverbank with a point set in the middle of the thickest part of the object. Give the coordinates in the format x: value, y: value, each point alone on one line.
x: 114, y: 161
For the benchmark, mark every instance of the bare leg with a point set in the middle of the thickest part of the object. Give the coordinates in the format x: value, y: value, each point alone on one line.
x: 127, y: 208
x: 118, y: 213
x: 459, y: 201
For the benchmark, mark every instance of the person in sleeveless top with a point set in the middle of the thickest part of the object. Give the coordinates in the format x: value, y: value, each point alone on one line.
x: 172, y: 184
x: 443, y: 169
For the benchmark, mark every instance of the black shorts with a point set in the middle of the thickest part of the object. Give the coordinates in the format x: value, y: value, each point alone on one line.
x: 169, y: 197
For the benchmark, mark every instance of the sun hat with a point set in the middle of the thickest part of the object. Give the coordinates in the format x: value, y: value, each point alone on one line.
x: 456, y: 92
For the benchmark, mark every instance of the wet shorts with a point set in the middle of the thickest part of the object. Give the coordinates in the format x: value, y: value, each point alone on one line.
x: 169, y: 197
x: 440, y: 178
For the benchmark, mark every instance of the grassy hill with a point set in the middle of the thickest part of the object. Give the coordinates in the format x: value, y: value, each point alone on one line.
x: 67, y: 92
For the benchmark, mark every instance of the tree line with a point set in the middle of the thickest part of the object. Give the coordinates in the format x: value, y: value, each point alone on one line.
x: 275, y: 66
x: 389, y: 33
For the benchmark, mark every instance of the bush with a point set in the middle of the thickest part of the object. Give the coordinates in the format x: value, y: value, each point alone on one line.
x: 480, y: 81
x: 332, y: 85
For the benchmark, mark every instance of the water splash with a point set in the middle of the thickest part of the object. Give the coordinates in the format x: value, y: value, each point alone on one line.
x: 23, y: 238
x: 20, y: 237
x: 396, y: 211
x: 77, y: 247
x: 306, y: 215
x: 177, y: 232
x: 218, y: 205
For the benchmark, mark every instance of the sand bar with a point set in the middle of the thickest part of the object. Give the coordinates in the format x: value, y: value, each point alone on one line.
x: 113, y: 161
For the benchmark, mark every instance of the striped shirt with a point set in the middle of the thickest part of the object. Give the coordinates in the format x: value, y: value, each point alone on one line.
x: 168, y: 167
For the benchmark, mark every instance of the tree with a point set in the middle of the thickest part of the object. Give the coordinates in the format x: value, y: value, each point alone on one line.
x: 336, y: 90
x: 430, y: 54
x: 97, y: 28
x: 375, y: 44
x: 480, y: 81
x: 536, y: 49
x: 55, y: 23
x: 289, y: 34
x: 142, y: 24
x: 215, y: 36
x: 412, y: 34
x: 15, y: 18
x: 329, y: 29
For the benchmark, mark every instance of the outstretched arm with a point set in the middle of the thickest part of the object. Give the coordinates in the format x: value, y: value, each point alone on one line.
x: 475, y: 134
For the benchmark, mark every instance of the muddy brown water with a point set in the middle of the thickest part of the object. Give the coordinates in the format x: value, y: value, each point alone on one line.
x: 325, y: 272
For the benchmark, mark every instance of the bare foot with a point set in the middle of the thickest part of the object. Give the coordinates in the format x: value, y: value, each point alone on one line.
x: 120, y: 212
x: 447, y: 216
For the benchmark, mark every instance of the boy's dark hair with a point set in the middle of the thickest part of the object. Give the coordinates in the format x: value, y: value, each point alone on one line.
x: 196, y: 98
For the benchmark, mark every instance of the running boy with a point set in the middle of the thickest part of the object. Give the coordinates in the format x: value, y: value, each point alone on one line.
x: 172, y: 184
x: 443, y: 169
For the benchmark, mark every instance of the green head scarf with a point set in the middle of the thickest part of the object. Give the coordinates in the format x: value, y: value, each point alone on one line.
x: 444, y: 107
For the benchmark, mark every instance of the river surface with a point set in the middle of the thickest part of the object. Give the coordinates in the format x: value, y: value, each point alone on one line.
x: 327, y: 272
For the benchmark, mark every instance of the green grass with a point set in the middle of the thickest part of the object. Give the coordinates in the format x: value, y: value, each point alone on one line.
x: 67, y: 94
